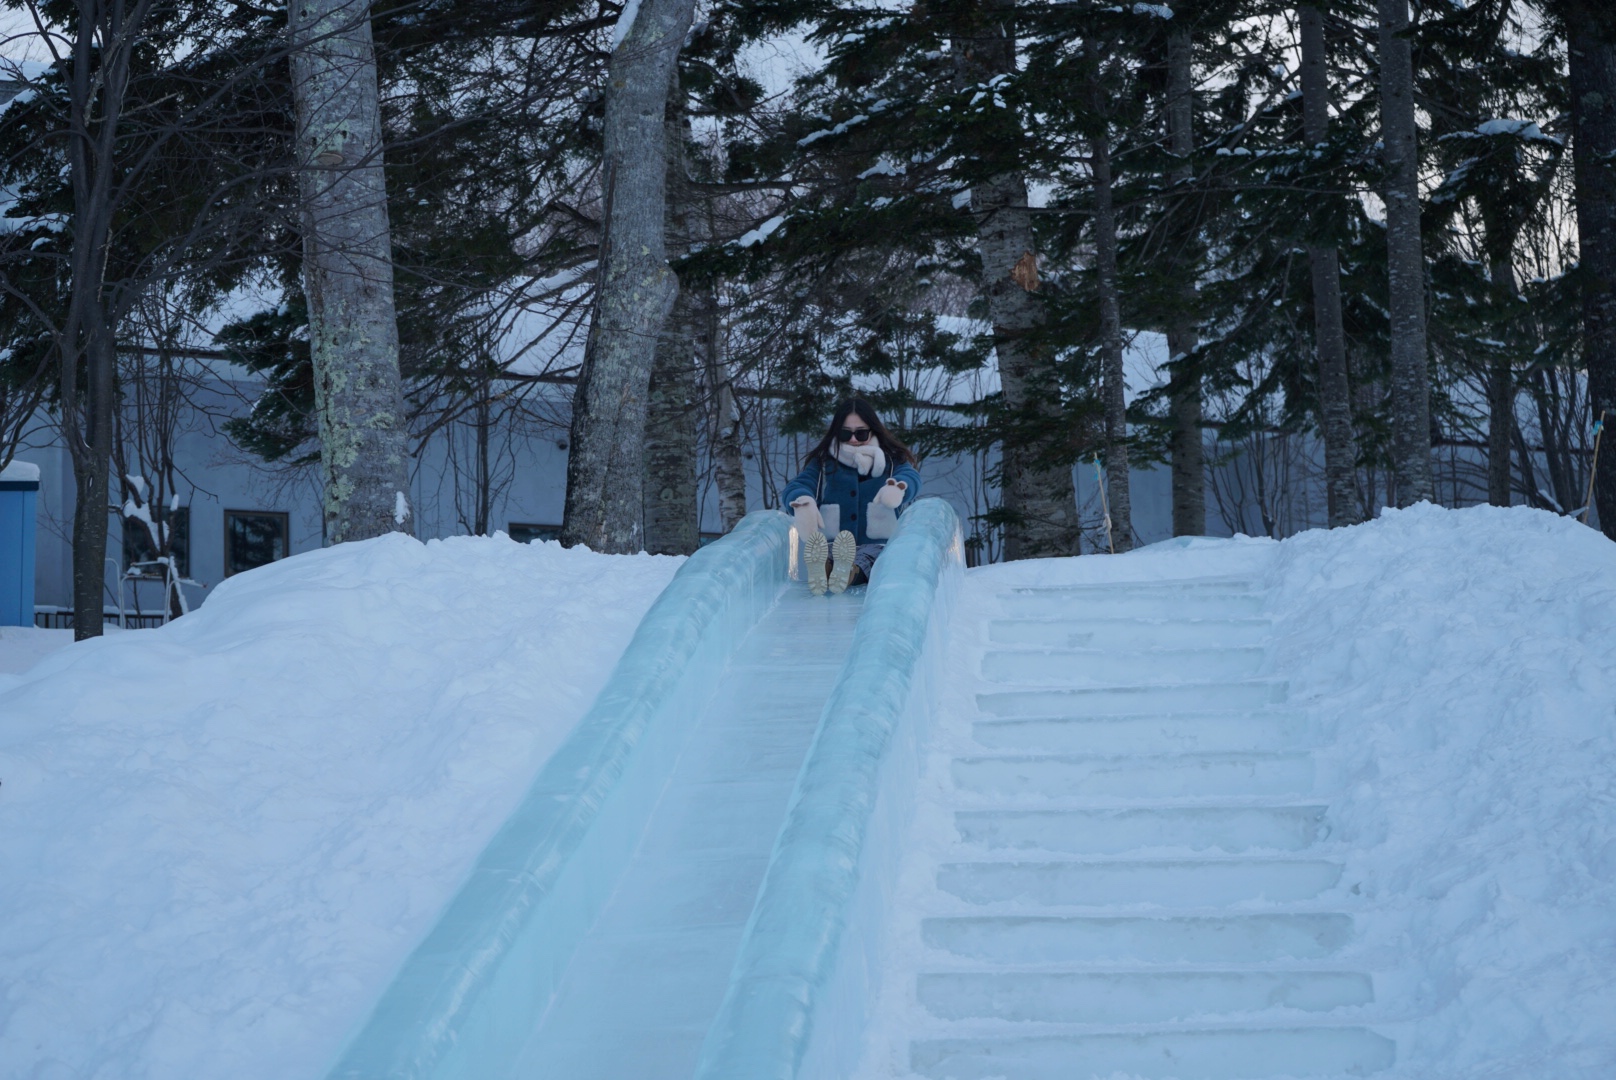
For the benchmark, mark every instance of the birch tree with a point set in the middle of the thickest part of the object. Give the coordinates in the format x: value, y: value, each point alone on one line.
x: 636, y: 291
x: 1405, y: 260
x: 348, y: 270
x: 1324, y: 261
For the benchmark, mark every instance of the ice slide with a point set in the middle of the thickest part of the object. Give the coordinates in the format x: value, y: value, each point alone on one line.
x: 704, y: 880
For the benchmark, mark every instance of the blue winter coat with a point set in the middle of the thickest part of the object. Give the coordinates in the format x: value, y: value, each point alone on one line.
x: 830, y: 482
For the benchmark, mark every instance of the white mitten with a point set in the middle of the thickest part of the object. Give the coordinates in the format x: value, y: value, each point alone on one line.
x: 891, y: 493
x: 806, y: 511
x: 881, y: 516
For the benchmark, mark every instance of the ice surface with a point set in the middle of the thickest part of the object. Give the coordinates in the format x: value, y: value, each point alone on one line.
x: 795, y: 1003
x: 470, y: 995
x: 646, y: 981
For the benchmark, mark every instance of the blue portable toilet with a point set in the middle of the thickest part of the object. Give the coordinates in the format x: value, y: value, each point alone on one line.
x: 19, y: 490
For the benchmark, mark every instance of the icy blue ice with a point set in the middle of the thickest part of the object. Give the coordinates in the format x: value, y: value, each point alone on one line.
x: 468, y: 998
x: 733, y: 870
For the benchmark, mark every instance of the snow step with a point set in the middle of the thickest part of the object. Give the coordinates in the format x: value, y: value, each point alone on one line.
x: 1188, y: 732
x: 1233, y: 829
x: 1022, y: 940
x: 1139, y: 603
x: 1176, y: 775
x: 1240, y: 1054
x: 1134, y: 700
x: 1134, y: 997
x: 1099, y: 667
x: 1099, y: 633
x: 1175, y: 883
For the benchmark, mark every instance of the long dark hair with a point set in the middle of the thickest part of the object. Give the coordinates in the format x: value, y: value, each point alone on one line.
x: 895, y: 451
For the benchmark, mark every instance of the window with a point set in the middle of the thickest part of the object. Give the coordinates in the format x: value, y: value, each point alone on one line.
x: 138, y: 547
x: 253, y: 538
x: 525, y: 533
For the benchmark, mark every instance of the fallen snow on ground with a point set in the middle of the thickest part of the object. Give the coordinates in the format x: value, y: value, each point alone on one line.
x: 1465, y: 662
x: 21, y: 647
x: 219, y: 839
x: 1469, y: 661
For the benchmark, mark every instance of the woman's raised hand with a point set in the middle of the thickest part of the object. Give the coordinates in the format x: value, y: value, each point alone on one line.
x: 891, y: 493
x: 806, y: 511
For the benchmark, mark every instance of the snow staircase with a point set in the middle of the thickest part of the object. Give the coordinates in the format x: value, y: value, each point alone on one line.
x: 1134, y: 888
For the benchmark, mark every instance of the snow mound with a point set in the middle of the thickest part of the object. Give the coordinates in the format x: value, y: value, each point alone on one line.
x: 222, y: 837
x: 1467, y: 658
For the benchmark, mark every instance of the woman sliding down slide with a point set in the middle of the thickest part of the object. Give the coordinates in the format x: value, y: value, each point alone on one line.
x: 859, y: 476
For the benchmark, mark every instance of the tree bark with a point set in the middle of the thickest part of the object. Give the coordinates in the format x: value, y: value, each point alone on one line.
x: 1188, y: 451
x: 671, y: 431
x: 672, y: 512
x: 1592, y: 54
x: 348, y: 270
x: 1500, y: 387
x: 1405, y: 260
x: 97, y: 86
x: 729, y: 469
x: 1116, y: 412
x: 1329, y: 334
x: 636, y: 289
x: 1038, y: 496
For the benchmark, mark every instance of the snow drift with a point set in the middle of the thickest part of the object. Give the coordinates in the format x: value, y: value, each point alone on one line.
x: 1469, y: 659
x: 219, y: 839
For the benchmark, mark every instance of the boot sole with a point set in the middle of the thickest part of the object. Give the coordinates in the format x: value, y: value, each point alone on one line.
x: 841, y: 553
x: 813, y: 553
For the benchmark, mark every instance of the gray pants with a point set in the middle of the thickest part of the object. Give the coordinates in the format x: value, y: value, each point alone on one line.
x: 864, y: 558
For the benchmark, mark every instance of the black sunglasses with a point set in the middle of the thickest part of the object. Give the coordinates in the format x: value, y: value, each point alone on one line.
x: 855, y: 434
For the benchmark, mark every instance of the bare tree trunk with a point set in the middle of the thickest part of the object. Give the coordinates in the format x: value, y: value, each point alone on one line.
x: 1188, y: 451
x: 1556, y: 451
x: 671, y: 431
x: 348, y: 270
x: 485, y: 481
x: 1592, y: 53
x: 105, y: 36
x: 1329, y: 335
x: 672, y: 511
x: 636, y: 290
x: 1038, y: 496
x: 1116, y: 413
x: 1405, y: 260
x: 1500, y: 388
x: 729, y: 469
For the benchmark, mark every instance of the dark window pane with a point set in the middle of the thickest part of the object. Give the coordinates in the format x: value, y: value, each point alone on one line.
x: 524, y: 533
x: 252, y: 540
x: 137, y: 542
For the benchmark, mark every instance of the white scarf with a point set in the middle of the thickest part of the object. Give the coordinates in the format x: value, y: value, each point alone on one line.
x: 866, y: 460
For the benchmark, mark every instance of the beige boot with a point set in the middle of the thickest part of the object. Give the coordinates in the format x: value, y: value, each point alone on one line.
x: 841, y: 553
x: 813, y: 554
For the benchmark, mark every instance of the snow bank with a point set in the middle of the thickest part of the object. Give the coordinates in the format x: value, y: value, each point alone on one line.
x: 1467, y: 658
x: 1466, y: 663
x: 21, y: 647
x: 221, y: 838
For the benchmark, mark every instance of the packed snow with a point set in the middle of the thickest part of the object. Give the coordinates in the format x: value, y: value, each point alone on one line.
x: 1460, y: 663
x: 221, y: 838
x: 21, y: 647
